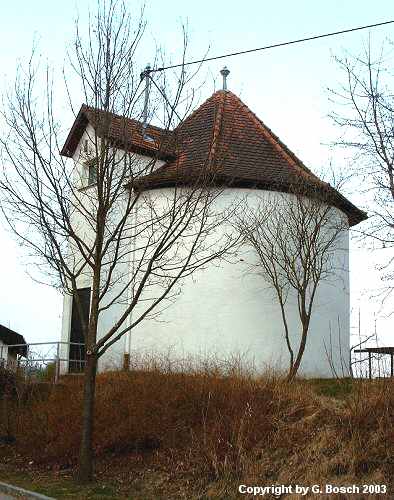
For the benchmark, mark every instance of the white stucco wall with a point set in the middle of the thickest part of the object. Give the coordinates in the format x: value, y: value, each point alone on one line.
x: 3, y: 353
x: 7, y: 359
x: 225, y: 311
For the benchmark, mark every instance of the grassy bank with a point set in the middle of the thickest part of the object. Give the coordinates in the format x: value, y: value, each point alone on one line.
x: 162, y: 434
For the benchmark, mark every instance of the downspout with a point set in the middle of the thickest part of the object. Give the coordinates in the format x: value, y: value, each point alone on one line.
x: 130, y: 291
x: 130, y: 294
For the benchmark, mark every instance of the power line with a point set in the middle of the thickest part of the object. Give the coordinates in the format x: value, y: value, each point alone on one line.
x: 273, y: 46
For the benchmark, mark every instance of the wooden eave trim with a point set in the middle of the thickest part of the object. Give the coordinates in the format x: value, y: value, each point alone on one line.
x: 78, y: 127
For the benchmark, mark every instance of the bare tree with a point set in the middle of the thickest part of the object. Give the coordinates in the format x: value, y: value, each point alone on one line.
x: 364, y: 111
x: 296, y: 238
x: 95, y: 219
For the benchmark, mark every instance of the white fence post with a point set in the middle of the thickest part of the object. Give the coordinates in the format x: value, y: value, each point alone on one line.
x: 57, y: 366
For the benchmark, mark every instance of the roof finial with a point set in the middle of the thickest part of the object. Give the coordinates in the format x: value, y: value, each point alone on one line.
x: 225, y: 72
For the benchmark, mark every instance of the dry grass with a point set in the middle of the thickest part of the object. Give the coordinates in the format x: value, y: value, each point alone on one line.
x: 220, y: 429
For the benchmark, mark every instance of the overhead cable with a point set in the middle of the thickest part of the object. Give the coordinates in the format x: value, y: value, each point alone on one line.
x: 273, y: 46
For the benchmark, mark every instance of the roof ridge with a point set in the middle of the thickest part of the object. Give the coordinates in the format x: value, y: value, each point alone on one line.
x: 217, y: 127
x: 85, y: 107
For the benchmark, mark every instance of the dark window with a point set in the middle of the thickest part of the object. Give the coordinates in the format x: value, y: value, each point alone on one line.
x: 77, y: 352
x: 91, y: 166
x: 92, y: 177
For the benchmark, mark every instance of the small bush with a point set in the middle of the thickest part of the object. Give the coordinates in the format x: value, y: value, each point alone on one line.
x: 8, y: 381
x: 332, y: 387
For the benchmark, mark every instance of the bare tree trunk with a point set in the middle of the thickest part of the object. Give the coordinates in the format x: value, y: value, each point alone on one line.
x: 85, y: 469
x: 294, y: 369
x: 287, y: 336
x: 297, y: 240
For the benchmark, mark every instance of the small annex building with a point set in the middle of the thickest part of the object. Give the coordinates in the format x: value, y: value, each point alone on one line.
x: 12, y: 345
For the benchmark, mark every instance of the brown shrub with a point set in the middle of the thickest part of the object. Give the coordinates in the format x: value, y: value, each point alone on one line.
x: 226, y: 427
x: 219, y: 417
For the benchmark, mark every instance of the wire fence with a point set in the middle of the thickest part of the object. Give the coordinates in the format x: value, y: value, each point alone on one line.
x: 43, y: 360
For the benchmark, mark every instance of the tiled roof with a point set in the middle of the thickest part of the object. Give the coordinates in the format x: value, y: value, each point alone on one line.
x: 224, y: 132
x: 224, y: 139
x: 123, y: 131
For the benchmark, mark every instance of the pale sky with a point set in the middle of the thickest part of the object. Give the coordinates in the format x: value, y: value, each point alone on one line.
x: 285, y: 87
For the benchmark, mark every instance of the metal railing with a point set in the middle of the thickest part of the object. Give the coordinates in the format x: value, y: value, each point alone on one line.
x: 374, y: 365
x: 39, y: 359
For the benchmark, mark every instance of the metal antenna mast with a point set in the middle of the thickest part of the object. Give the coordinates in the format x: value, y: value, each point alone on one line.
x: 145, y: 74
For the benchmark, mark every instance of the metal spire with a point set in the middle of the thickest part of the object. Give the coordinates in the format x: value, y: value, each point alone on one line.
x: 225, y: 72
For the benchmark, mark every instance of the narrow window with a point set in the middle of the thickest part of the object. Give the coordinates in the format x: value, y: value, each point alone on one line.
x: 91, y: 166
x: 92, y: 178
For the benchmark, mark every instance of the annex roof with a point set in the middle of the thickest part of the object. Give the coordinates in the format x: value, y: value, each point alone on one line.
x: 124, y: 132
x: 223, y: 136
x: 377, y: 350
x: 9, y: 337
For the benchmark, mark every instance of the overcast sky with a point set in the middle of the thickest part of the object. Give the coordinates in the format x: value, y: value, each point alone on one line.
x: 285, y: 87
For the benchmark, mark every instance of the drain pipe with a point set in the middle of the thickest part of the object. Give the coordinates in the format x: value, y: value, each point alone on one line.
x: 130, y: 293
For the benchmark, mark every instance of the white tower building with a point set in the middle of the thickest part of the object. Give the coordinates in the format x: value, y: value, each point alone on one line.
x: 224, y: 310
